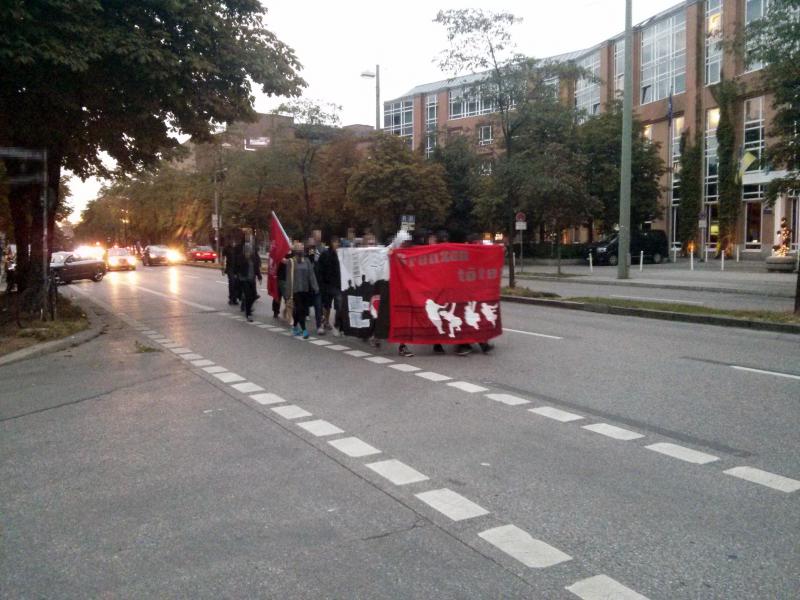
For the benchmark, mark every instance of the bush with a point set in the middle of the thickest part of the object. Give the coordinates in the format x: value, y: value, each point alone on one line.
x: 548, y: 250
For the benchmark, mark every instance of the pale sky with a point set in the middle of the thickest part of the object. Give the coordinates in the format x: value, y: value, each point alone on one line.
x: 336, y: 41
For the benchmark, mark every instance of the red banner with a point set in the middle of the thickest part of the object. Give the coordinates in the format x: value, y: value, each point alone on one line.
x: 445, y: 294
x: 279, y: 247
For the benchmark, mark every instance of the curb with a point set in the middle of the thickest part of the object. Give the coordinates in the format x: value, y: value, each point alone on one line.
x: 95, y: 329
x: 662, y: 286
x: 662, y: 315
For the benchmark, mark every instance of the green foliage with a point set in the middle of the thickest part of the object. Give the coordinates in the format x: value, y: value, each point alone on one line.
x: 394, y: 181
x: 774, y: 41
x: 464, y: 183
x: 691, y: 188
x: 726, y: 94
x: 600, y: 139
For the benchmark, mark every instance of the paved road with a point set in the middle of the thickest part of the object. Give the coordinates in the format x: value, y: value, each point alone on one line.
x: 589, y: 456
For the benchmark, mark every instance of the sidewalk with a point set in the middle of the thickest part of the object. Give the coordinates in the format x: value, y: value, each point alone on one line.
x: 742, y: 278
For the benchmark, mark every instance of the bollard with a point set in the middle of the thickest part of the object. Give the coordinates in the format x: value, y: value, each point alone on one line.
x: 641, y: 260
x: 674, y: 255
x: 722, y: 264
x: 737, y: 252
x: 691, y: 260
x: 591, y: 267
x: 706, y: 260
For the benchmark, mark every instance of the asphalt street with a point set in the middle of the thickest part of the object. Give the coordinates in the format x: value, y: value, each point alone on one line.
x: 587, y: 456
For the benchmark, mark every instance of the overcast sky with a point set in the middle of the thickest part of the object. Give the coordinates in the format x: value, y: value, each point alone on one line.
x: 336, y: 41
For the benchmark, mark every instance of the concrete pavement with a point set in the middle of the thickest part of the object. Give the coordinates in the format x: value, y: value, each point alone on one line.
x: 584, y: 448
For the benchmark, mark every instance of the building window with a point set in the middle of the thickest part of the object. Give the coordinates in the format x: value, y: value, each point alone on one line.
x: 663, y: 57
x: 466, y: 102
x: 675, y: 183
x: 486, y: 168
x: 711, y: 177
x: 587, y: 89
x: 753, y: 11
x: 431, y: 121
x: 754, y: 135
x: 619, y: 67
x: 713, y: 41
x: 753, y: 197
x: 485, y: 135
x: 398, y: 119
x: 647, y: 132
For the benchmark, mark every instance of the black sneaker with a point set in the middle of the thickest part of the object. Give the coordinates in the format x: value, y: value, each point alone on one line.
x: 463, y: 350
x: 249, y: 319
x: 404, y: 351
x: 437, y: 349
x: 486, y: 347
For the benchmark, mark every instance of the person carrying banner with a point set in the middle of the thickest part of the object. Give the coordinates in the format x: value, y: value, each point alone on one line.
x: 300, y: 272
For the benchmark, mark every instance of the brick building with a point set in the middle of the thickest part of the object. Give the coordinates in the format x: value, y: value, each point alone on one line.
x: 677, y: 55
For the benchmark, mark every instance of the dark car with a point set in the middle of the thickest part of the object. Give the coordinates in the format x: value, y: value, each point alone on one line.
x: 67, y: 267
x: 155, y: 255
x: 202, y: 253
x: 120, y: 258
x: 653, y: 243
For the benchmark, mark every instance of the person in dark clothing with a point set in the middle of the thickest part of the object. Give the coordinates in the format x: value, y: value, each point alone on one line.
x: 330, y: 281
x: 229, y: 268
x: 300, y: 276
x: 313, y: 254
x: 276, y: 304
x: 248, y: 269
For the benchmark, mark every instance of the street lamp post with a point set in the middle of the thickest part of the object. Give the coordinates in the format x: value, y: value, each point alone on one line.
x: 377, y: 76
x: 627, y: 135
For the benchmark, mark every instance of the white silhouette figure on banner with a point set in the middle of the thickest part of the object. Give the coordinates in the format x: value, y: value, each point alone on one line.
x: 453, y: 322
x: 489, y: 312
x: 432, y: 309
x: 470, y: 316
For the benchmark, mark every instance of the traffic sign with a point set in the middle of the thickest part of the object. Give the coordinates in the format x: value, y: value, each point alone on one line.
x: 520, y: 216
x: 521, y: 225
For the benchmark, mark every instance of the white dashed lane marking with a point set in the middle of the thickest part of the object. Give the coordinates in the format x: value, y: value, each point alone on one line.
x: 519, y: 544
x: 357, y: 353
x: 465, y: 386
x: 181, y: 350
x: 397, y: 472
x: 508, y: 399
x: 320, y: 428
x: 267, y: 398
x: 681, y: 453
x: 322, y: 343
x: 617, y: 433
x: 770, y: 480
x: 170, y: 345
x: 403, y: 367
x: 555, y: 413
x: 247, y: 387
x: 191, y: 356
x: 290, y: 411
x: 354, y: 447
x: 228, y: 377
x: 431, y: 376
x: 452, y: 505
x: 533, y: 333
x: 335, y: 346
x: 204, y: 362
x: 214, y: 369
x: 763, y: 372
x: 602, y: 587
x: 379, y: 360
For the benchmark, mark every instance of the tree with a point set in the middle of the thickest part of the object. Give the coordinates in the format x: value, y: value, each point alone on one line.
x: 726, y: 94
x: 464, y: 184
x: 338, y: 162
x: 480, y: 44
x: 90, y: 76
x: 315, y: 126
x: 690, y: 190
x: 600, y: 140
x: 773, y: 41
x: 394, y: 181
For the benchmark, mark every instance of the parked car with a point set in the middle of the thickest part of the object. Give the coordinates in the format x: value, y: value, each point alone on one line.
x: 653, y: 243
x: 161, y: 255
x: 202, y: 253
x: 120, y: 258
x: 66, y: 267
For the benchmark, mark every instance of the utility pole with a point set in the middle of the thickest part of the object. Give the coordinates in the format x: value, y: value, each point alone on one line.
x: 377, y: 97
x: 627, y: 135
x: 216, y: 205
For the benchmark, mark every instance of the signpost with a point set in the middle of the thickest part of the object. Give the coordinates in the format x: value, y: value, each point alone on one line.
x: 520, y: 224
x: 407, y: 222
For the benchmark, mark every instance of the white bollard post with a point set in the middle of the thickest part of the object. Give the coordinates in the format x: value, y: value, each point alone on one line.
x: 722, y: 264
x: 641, y: 260
x: 706, y: 260
x: 691, y: 260
x: 591, y: 266
x: 674, y: 255
x: 737, y: 253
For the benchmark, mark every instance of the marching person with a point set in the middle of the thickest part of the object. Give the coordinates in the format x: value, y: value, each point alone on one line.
x: 229, y: 268
x: 300, y: 272
x: 330, y: 281
x: 248, y: 269
x: 313, y: 254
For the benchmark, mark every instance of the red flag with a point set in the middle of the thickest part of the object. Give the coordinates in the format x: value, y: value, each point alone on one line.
x: 279, y: 247
x: 445, y: 294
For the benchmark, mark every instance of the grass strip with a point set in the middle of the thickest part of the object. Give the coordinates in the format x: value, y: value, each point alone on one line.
x: 526, y: 293
x: 70, y: 320
x: 692, y: 309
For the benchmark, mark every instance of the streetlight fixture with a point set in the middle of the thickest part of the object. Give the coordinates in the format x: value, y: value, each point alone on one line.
x: 377, y: 76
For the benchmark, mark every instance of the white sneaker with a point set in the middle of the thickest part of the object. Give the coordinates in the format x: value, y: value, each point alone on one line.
x: 321, y: 331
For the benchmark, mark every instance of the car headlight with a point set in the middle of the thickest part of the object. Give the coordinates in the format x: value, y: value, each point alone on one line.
x: 174, y: 256
x: 601, y: 250
x: 113, y: 261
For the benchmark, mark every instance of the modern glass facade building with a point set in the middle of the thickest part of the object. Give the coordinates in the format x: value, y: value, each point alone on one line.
x: 678, y: 55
